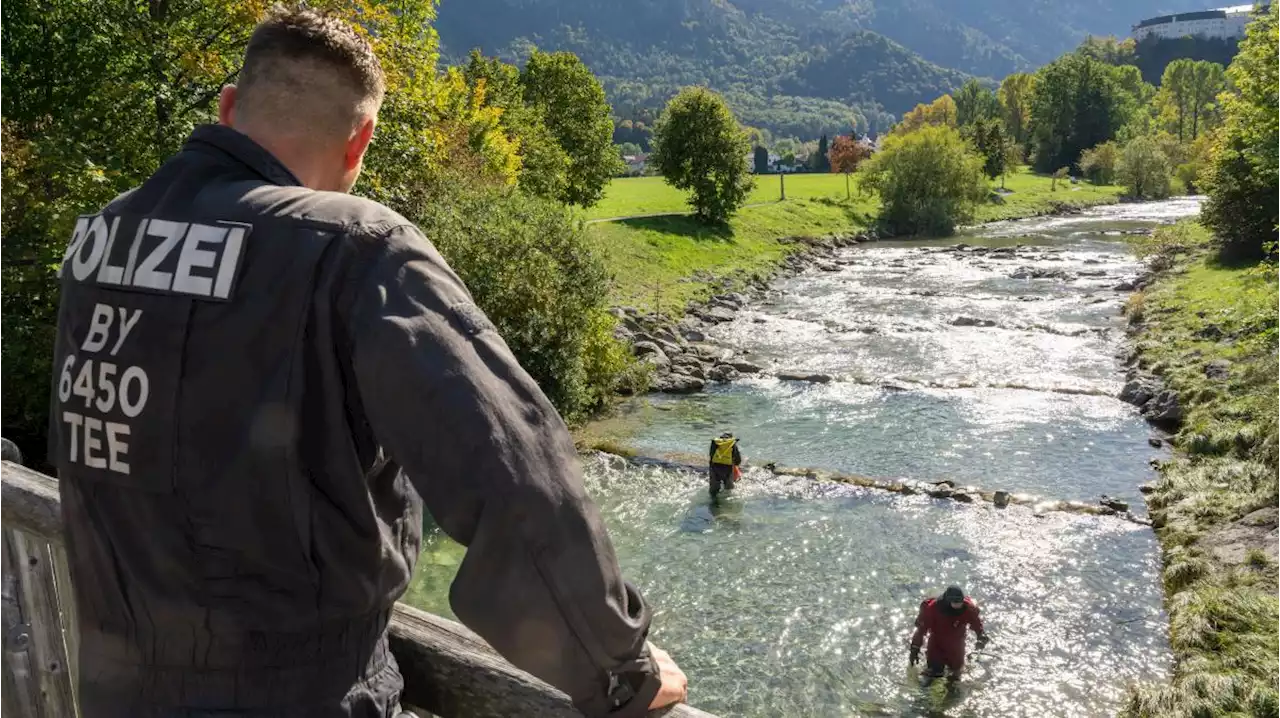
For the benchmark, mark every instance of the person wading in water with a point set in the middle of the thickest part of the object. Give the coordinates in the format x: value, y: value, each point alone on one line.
x: 946, y: 620
x: 285, y: 375
x: 725, y: 459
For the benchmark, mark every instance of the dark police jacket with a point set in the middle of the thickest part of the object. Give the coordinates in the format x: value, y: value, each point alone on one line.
x: 256, y: 387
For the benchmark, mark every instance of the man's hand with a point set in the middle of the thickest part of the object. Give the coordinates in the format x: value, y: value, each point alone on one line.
x: 982, y: 641
x: 675, y: 686
x: 915, y: 655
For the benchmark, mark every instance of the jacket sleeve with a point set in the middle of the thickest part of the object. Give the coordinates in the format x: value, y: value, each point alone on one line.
x: 922, y: 627
x: 737, y: 455
x: 711, y: 456
x: 975, y: 619
x: 497, y: 469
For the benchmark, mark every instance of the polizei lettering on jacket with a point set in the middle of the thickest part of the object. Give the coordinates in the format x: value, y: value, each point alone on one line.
x: 157, y: 255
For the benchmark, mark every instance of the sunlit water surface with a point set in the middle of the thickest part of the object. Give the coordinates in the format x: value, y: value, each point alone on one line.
x: 796, y: 597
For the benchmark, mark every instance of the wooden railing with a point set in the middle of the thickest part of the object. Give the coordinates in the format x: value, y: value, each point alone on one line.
x: 448, y: 670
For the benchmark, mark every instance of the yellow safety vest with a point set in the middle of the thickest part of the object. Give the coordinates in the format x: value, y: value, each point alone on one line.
x: 724, y: 451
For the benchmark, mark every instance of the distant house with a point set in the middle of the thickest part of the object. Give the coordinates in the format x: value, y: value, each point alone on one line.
x: 635, y: 163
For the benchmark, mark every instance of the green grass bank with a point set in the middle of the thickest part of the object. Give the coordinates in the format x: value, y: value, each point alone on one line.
x: 664, y: 262
x: 1208, y: 331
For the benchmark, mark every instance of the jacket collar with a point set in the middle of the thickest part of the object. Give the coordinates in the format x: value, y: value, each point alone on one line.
x: 240, y: 148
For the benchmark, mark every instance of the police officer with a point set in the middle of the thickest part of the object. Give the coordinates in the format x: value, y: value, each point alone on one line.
x: 259, y: 381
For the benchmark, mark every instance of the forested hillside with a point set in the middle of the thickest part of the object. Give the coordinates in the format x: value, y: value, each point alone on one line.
x: 795, y: 67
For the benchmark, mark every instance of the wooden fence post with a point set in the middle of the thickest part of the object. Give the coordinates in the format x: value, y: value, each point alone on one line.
x: 39, y: 624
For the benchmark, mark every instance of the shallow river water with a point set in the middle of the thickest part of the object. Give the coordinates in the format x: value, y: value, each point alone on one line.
x: 796, y: 597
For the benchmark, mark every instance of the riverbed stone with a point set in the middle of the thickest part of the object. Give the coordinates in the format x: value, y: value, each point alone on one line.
x: 723, y: 372
x: 1155, y: 442
x: 693, y: 335
x: 645, y: 347
x: 716, y: 315
x: 1114, y: 504
x: 1124, y: 286
x: 1139, y: 390
x: 745, y: 367
x: 1000, y: 499
x: 812, y: 378
x: 1163, y: 408
x: 963, y: 321
x: 676, y: 383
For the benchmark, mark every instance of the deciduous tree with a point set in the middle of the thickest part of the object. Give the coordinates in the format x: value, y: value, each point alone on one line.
x: 1242, y: 181
x: 700, y: 147
x: 1015, y: 104
x: 975, y: 103
x: 845, y: 156
x: 1144, y: 169
x: 573, y: 106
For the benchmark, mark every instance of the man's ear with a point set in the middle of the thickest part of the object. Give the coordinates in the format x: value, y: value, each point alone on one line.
x: 227, y: 106
x: 359, y: 142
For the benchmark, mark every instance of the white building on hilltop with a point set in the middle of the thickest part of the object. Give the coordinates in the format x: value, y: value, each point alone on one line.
x: 1220, y: 24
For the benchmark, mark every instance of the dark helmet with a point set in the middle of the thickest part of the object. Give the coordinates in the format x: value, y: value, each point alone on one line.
x: 953, y: 594
x: 727, y: 435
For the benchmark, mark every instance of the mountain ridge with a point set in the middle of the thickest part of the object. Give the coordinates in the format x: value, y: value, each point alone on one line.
x: 796, y: 67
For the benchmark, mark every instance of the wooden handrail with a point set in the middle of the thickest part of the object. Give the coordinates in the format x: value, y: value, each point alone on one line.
x: 448, y: 670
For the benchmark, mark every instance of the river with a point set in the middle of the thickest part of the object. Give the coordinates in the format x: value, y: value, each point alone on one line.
x: 796, y: 597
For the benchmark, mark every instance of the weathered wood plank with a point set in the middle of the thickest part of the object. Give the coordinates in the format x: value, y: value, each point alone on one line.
x: 40, y: 606
x: 29, y: 500
x: 21, y: 689
x: 448, y: 669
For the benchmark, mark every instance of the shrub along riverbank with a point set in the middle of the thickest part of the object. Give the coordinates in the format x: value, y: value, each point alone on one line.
x: 661, y: 263
x: 1207, y: 330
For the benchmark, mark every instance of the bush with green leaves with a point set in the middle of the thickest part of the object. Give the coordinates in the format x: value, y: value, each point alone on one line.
x: 1242, y: 180
x: 929, y: 180
x: 699, y: 146
x: 1144, y: 170
x: 1098, y: 163
x: 529, y: 266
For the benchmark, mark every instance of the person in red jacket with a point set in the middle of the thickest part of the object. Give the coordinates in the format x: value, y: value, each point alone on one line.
x: 946, y: 620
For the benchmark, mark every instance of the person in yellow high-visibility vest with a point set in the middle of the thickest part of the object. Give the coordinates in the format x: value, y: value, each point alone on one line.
x: 725, y: 459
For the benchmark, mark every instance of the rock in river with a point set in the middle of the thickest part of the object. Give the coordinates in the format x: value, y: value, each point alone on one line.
x: 745, y: 366
x: 813, y: 378
x: 678, y: 384
x: 723, y: 372
x: 1139, y: 390
x: 972, y: 322
x: 716, y: 315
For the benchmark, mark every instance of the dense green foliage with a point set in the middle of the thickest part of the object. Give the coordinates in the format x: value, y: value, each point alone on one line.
x: 1188, y: 91
x: 929, y: 180
x: 573, y: 106
x: 976, y: 103
x: 1242, y: 180
x: 1153, y: 55
x: 527, y: 262
x: 798, y: 67
x: 1099, y: 163
x: 1077, y: 102
x: 1144, y: 169
x: 544, y: 164
x: 97, y: 94
x: 700, y: 147
x: 1015, y: 105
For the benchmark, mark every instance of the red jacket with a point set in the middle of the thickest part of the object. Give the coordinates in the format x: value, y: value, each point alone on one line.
x: 946, y: 631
